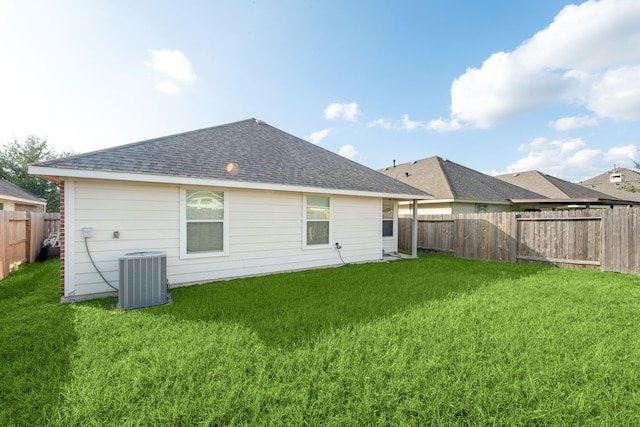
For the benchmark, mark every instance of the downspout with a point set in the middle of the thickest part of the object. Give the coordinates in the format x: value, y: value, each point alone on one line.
x: 414, y: 231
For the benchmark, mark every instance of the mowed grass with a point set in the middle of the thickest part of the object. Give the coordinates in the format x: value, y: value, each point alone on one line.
x: 432, y: 341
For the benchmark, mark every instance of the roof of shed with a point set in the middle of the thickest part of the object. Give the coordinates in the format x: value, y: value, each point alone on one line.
x: 445, y: 179
x: 12, y: 191
x: 248, y: 151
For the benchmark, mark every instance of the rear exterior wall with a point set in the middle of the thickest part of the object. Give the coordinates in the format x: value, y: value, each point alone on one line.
x: 265, y: 232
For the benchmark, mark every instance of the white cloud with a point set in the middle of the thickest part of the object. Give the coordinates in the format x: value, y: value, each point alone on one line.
x: 570, y: 123
x: 617, y: 94
x: 318, y: 136
x: 346, y: 111
x: 348, y: 151
x: 404, y: 123
x: 173, y: 63
x: 381, y: 123
x: 571, y: 158
x: 408, y: 124
x: 440, y: 125
x: 168, y: 87
x: 587, y: 57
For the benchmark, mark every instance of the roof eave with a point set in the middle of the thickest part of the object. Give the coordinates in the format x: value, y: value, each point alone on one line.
x: 56, y: 175
x: 484, y: 202
x: 25, y: 201
x: 574, y: 200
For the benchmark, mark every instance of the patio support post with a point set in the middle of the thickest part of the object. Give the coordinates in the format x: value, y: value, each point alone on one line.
x: 414, y: 231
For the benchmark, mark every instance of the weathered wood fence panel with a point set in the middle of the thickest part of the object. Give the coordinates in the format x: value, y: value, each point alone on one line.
x: 604, y: 239
x: 563, y: 240
x: 21, y: 237
x: 435, y: 233
x: 620, y: 246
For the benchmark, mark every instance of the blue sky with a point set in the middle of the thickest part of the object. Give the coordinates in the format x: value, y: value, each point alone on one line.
x: 497, y: 86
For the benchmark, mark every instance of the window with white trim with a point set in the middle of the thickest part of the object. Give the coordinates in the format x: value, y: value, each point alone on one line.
x: 388, y: 216
x: 204, y: 226
x: 317, y: 221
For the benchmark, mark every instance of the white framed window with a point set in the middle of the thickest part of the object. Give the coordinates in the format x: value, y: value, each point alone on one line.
x: 388, y: 218
x: 203, y: 222
x: 316, y: 231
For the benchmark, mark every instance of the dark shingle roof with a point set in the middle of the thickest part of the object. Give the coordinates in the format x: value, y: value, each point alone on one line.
x: 552, y: 187
x: 262, y: 153
x: 448, y: 180
x: 12, y: 190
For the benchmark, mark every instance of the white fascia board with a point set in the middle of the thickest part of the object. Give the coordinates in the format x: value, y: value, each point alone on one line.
x: 432, y: 200
x: 492, y: 202
x: 19, y: 200
x: 182, y: 180
x: 484, y: 202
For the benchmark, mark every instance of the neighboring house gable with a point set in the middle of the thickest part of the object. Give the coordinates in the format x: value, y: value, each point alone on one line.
x: 227, y: 201
x: 456, y: 188
x: 14, y: 198
x: 614, y: 182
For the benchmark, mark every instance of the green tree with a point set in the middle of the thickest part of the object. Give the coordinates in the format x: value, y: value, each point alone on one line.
x: 15, y: 159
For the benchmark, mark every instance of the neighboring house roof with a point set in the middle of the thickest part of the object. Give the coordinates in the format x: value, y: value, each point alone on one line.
x: 556, y: 189
x: 9, y: 191
x: 447, y: 180
x: 244, y: 154
x: 614, y: 182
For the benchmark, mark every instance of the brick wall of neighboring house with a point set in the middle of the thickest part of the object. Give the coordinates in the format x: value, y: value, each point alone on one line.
x: 62, y: 228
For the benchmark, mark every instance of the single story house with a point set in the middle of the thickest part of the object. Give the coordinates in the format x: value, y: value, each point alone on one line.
x: 617, y: 183
x: 456, y: 189
x: 560, y: 194
x: 228, y: 201
x: 14, y: 198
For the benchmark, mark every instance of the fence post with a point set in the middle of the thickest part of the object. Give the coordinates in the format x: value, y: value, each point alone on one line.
x: 4, y: 242
x: 27, y: 243
x: 414, y: 230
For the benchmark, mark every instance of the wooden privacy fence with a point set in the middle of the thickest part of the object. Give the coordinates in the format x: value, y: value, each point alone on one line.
x: 22, y: 235
x: 602, y: 239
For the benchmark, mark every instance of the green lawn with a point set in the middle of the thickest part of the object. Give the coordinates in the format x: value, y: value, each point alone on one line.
x: 432, y: 341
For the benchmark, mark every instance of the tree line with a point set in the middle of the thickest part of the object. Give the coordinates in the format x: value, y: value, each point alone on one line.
x: 15, y: 158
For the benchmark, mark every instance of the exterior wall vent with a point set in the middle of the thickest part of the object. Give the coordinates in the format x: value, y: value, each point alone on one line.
x: 143, y: 280
x: 616, y: 177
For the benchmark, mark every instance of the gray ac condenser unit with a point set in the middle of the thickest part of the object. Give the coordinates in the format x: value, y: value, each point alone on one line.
x: 143, y: 280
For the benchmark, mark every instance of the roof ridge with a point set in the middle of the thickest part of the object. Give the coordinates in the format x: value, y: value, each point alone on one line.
x: 447, y: 179
x: 547, y: 177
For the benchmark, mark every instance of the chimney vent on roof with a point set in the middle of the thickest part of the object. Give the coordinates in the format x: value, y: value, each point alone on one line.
x: 260, y: 122
x: 394, y: 163
x: 407, y: 174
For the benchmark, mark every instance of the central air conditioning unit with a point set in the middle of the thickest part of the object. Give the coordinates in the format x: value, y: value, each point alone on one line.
x: 143, y: 280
